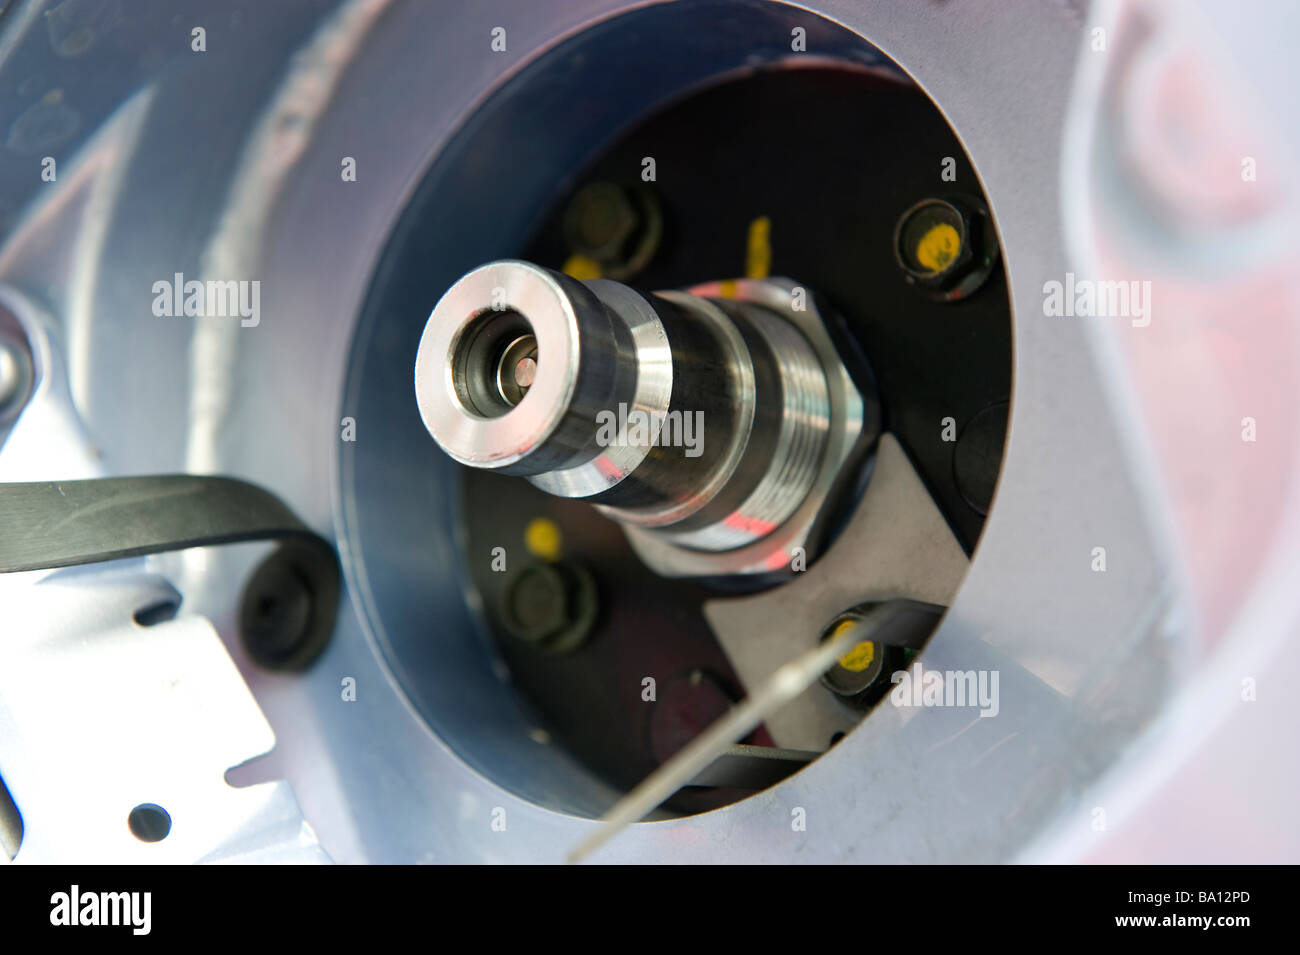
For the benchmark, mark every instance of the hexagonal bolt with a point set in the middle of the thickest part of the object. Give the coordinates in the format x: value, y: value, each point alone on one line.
x: 891, y: 631
x: 861, y: 676
x: 550, y: 605
x: 947, y: 248
x: 617, y: 227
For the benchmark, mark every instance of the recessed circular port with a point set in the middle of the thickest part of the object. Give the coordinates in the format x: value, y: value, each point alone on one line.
x: 572, y: 724
x: 494, y: 362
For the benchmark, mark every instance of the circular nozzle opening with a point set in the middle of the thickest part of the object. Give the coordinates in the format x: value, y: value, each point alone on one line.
x: 498, y: 367
x: 494, y: 362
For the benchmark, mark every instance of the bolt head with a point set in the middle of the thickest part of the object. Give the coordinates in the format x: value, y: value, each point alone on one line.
x: 536, y: 603
x: 948, y: 249
x: 600, y: 222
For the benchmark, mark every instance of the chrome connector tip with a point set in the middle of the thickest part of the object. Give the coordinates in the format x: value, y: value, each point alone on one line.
x: 500, y: 365
x: 710, y: 423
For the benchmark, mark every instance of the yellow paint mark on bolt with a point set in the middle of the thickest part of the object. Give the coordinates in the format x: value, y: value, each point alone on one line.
x: 581, y: 268
x: 728, y: 288
x: 543, y: 539
x: 861, y: 655
x: 758, y: 249
x: 938, y: 247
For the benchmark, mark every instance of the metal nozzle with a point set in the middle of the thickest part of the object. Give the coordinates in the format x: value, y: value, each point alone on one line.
x: 711, y: 427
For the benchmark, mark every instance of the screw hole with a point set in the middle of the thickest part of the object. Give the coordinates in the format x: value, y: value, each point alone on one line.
x: 155, y: 614
x: 149, y: 823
